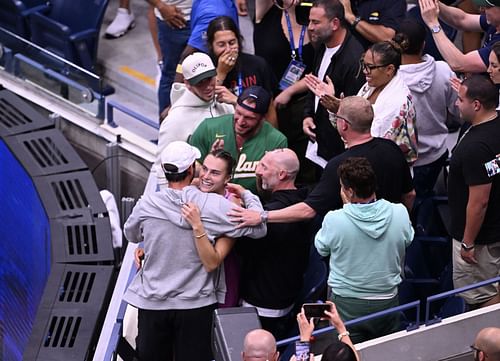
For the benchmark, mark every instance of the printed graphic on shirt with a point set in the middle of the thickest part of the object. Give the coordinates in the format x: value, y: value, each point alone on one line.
x: 245, y: 168
x: 374, y: 16
x: 493, y: 166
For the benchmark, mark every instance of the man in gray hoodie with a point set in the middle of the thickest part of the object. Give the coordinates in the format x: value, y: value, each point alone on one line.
x: 175, y: 295
x: 434, y: 99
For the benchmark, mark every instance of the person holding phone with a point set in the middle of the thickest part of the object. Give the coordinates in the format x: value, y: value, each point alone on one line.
x: 341, y: 350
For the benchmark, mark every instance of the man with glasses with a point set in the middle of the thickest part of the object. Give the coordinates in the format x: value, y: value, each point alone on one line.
x: 487, y: 345
x: 259, y: 345
x: 475, y: 61
x: 337, y: 60
x: 353, y: 122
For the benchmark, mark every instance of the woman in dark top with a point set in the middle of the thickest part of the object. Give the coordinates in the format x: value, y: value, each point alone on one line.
x: 272, y: 41
x: 237, y: 70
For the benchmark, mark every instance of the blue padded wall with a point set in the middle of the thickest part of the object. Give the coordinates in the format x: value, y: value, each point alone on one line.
x: 24, y: 255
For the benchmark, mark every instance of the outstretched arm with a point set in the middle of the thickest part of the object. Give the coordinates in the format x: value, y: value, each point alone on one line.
x: 470, y: 62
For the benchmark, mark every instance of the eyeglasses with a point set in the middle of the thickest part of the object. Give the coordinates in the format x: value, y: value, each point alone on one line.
x: 474, y: 348
x: 369, y: 67
x: 334, y: 117
x: 476, y: 352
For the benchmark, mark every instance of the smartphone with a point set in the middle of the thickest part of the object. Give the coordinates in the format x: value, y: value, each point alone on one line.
x: 315, y: 309
x: 302, y: 351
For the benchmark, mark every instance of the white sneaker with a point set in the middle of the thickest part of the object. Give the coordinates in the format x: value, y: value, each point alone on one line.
x: 124, y: 21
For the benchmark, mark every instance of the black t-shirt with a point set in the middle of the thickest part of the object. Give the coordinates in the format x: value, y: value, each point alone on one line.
x: 271, y: 43
x: 390, y: 167
x: 272, y: 267
x: 388, y: 13
x: 478, y: 146
x: 254, y: 70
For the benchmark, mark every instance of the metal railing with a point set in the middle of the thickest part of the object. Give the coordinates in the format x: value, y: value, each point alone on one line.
x: 451, y: 293
x: 112, y: 105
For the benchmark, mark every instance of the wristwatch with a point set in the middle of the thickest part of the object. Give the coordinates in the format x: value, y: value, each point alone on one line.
x: 465, y: 247
x: 436, y: 29
x: 342, y: 335
x: 356, y: 21
x: 264, y: 216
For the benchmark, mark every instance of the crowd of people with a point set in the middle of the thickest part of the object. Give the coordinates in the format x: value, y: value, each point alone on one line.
x: 321, y: 141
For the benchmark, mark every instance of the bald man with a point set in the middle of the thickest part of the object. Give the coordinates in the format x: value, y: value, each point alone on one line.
x: 272, y: 267
x: 487, y: 345
x: 259, y: 344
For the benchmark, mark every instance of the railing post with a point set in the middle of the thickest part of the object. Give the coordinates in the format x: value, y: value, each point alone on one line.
x: 113, y: 177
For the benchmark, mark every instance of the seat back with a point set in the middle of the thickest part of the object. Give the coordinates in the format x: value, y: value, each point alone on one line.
x: 78, y: 15
x: 11, y: 18
x: 71, y: 29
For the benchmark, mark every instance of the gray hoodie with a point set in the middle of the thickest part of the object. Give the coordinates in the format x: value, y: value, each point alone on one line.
x: 433, y: 97
x: 172, y: 275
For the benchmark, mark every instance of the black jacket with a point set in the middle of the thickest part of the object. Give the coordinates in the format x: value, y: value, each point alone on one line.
x: 343, y: 68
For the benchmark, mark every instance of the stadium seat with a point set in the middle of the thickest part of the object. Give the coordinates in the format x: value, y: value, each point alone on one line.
x: 70, y: 29
x: 14, y: 14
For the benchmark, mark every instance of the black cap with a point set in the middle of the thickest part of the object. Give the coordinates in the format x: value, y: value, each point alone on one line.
x: 260, y: 96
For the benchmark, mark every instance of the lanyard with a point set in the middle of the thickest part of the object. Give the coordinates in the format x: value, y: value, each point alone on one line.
x: 292, y: 41
x: 240, y: 84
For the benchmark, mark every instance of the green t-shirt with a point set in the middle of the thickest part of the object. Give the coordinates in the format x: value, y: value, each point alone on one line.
x: 268, y: 138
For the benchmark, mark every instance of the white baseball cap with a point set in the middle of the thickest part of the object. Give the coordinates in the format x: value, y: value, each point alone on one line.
x: 178, y: 156
x: 197, y: 67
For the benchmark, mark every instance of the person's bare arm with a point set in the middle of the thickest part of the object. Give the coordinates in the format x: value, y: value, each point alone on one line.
x: 458, y: 18
x: 477, y: 204
x: 295, y: 213
x: 371, y: 32
x: 211, y: 256
x: 286, y: 95
x: 271, y: 115
x: 153, y: 29
x: 407, y: 199
x: 470, y: 62
x: 337, y: 322
x: 170, y: 13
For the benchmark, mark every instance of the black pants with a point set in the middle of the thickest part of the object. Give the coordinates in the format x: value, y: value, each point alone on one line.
x: 183, y: 333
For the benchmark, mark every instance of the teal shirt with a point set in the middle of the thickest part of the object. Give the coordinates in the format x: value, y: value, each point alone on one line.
x: 268, y: 138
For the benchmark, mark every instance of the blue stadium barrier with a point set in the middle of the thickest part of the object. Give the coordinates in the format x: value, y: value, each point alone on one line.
x: 411, y: 305
x: 454, y: 292
x: 111, y: 105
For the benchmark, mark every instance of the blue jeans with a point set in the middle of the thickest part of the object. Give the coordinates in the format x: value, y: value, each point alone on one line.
x: 172, y: 43
x: 425, y: 176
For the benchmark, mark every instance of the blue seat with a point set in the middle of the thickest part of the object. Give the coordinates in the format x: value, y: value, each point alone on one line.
x: 14, y: 14
x: 70, y: 29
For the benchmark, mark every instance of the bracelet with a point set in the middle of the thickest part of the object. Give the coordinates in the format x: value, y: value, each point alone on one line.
x: 343, y: 334
x: 201, y: 235
x: 356, y: 21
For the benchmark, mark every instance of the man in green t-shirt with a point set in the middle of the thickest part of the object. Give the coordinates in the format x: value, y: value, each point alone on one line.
x: 245, y: 134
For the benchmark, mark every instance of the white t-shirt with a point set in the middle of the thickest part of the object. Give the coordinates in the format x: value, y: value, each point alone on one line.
x: 325, y: 62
